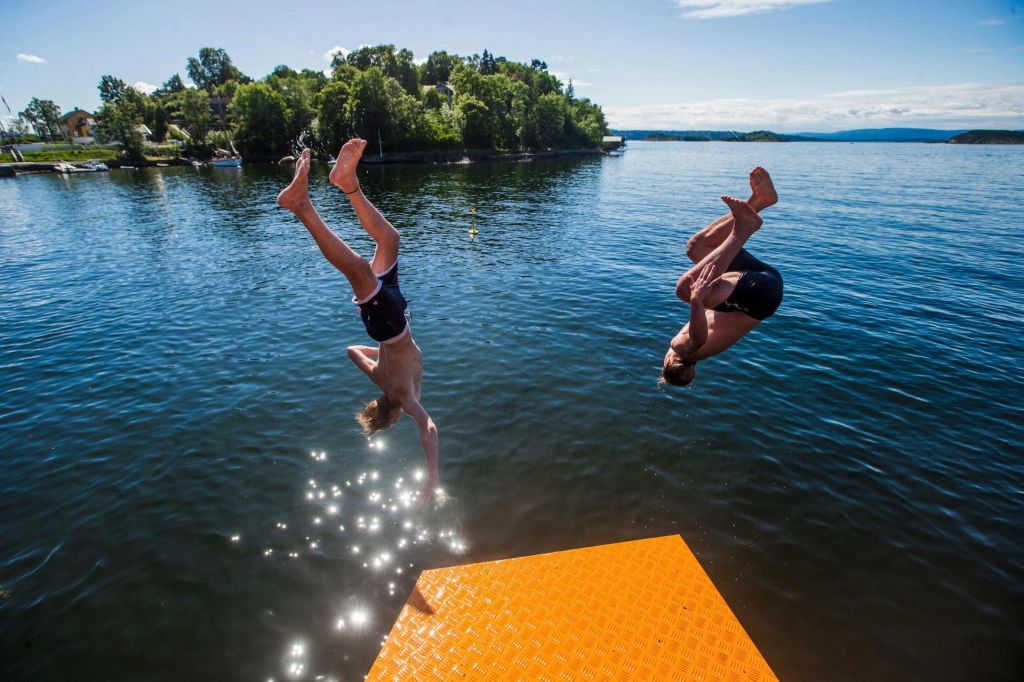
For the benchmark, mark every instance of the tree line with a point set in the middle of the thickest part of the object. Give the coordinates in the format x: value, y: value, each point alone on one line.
x: 375, y: 92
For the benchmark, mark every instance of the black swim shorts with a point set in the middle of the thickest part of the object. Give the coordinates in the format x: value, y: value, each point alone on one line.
x: 758, y: 292
x: 383, y: 312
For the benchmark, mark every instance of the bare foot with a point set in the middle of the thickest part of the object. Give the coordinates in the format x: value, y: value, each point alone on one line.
x: 763, y: 190
x: 343, y: 174
x: 746, y: 219
x: 295, y: 195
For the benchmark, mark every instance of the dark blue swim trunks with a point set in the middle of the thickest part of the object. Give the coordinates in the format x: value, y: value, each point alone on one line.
x: 758, y: 292
x: 383, y: 312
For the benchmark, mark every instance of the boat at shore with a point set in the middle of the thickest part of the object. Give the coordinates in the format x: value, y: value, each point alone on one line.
x: 227, y: 160
x: 88, y: 167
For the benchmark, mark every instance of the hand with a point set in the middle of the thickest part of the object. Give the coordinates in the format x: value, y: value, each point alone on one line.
x: 426, y: 492
x: 701, y: 287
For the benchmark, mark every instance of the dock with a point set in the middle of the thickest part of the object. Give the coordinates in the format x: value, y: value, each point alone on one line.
x: 639, y: 610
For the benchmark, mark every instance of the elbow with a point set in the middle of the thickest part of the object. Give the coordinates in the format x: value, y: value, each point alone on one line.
x: 352, y: 352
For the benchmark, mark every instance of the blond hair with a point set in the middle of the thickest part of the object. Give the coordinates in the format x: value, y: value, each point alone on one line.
x: 378, y: 415
x: 678, y: 373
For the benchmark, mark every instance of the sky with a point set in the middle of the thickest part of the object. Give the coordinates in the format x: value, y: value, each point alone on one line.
x: 781, y: 65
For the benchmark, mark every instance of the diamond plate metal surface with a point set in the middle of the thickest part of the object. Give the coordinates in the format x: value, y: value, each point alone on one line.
x: 640, y: 610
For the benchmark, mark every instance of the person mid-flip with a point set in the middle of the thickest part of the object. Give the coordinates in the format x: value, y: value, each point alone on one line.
x: 396, y: 365
x: 729, y: 291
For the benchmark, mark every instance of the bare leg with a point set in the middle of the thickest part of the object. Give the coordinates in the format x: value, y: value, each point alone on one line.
x: 384, y: 234
x: 295, y: 197
x: 745, y: 222
x: 762, y: 196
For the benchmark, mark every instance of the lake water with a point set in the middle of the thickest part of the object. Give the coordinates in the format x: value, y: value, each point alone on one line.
x: 850, y: 475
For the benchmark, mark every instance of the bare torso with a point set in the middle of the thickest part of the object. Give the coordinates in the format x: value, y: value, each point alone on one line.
x: 724, y: 329
x: 399, y: 369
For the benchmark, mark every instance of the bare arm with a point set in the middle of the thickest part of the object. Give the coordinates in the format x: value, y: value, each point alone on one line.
x: 698, y: 327
x: 361, y: 358
x: 429, y: 440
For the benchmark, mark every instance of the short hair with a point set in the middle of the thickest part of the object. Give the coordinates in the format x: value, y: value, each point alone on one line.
x: 678, y: 373
x: 378, y: 415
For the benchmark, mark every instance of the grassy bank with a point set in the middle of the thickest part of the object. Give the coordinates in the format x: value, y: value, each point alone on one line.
x: 161, y: 153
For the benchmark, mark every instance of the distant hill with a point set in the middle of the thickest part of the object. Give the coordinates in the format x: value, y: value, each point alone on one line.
x: 706, y: 136
x: 863, y: 135
x: 989, y: 137
x: 886, y: 135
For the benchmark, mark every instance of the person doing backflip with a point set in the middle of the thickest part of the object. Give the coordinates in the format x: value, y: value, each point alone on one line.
x: 395, y: 366
x: 729, y: 291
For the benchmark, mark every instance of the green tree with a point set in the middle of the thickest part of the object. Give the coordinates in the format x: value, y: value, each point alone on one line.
x: 262, y: 119
x: 488, y: 67
x: 315, y: 80
x: 378, y: 104
x: 438, y: 67
x: 476, y: 130
x: 432, y: 99
x: 523, y: 123
x: 173, y: 86
x: 118, y: 121
x: 112, y: 89
x: 395, y: 64
x: 196, y: 115
x: 588, y: 123
x: 443, y: 128
x: 332, y: 106
x: 408, y: 75
x: 551, y: 114
x: 297, y: 92
x: 159, y: 124
x: 212, y: 68
x: 44, y: 117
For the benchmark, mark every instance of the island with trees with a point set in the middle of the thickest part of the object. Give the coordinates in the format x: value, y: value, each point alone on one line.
x: 442, y: 107
x: 989, y: 137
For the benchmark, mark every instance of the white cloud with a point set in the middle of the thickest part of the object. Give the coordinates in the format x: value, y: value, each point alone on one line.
x: 977, y: 50
x: 720, y: 9
x: 565, y: 77
x: 419, y: 61
x: 144, y: 87
x: 965, y: 105
x: 337, y: 49
x: 31, y: 58
x: 991, y: 22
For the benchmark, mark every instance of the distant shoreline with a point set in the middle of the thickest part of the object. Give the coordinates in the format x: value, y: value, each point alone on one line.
x: 921, y: 135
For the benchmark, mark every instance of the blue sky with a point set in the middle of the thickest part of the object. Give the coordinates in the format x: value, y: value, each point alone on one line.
x: 784, y: 65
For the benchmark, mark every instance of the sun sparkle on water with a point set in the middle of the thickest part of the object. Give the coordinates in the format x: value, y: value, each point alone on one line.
x: 383, y: 532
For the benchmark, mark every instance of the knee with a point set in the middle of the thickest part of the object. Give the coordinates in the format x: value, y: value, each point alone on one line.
x: 695, y: 248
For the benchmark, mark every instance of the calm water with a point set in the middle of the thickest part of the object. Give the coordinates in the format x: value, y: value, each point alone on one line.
x: 172, y: 353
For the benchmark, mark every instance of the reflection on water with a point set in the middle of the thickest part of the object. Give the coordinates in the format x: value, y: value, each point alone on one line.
x: 380, y: 524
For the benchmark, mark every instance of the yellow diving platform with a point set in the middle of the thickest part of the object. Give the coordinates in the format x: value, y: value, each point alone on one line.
x: 640, y: 610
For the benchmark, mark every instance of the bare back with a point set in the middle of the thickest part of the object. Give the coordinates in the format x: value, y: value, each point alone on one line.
x: 724, y: 329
